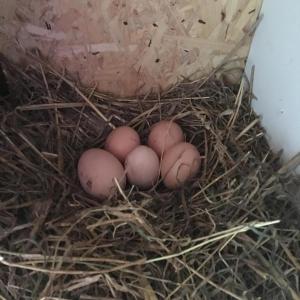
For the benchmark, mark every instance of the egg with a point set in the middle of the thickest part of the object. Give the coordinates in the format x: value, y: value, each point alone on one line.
x: 142, y: 167
x: 163, y: 135
x: 121, y: 141
x: 97, y: 169
x: 180, y: 164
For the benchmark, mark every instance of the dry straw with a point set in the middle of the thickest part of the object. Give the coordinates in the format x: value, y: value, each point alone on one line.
x: 218, y: 237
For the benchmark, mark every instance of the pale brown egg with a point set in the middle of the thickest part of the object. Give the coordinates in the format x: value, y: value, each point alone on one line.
x: 97, y: 169
x: 163, y: 135
x: 180, y: 164
x: 142, y: 167
x: 121, y: 141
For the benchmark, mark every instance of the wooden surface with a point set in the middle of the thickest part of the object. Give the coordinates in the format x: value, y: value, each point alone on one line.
x: 129, y: 47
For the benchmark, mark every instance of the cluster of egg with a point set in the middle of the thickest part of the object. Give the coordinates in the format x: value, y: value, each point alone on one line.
x: 124, y: 158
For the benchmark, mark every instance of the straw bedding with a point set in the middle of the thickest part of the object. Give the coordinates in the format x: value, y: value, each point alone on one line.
x: 218, y: 237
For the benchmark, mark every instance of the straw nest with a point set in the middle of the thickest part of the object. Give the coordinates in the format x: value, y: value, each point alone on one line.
x: 219, y: 237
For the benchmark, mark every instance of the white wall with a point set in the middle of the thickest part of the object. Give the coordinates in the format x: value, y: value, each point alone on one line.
x: 275, y: 52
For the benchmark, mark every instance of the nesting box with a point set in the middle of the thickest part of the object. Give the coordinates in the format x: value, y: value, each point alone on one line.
x: 131, y: 47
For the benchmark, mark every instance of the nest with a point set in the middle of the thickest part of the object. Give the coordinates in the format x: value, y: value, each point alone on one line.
x: 231, y: 233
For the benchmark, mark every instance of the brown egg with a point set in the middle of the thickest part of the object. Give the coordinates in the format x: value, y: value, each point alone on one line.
x: 121, y: 141
x: 180, y: 164
x: 96, y: 171
x: 142, y: 167
x: 164, y: 135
